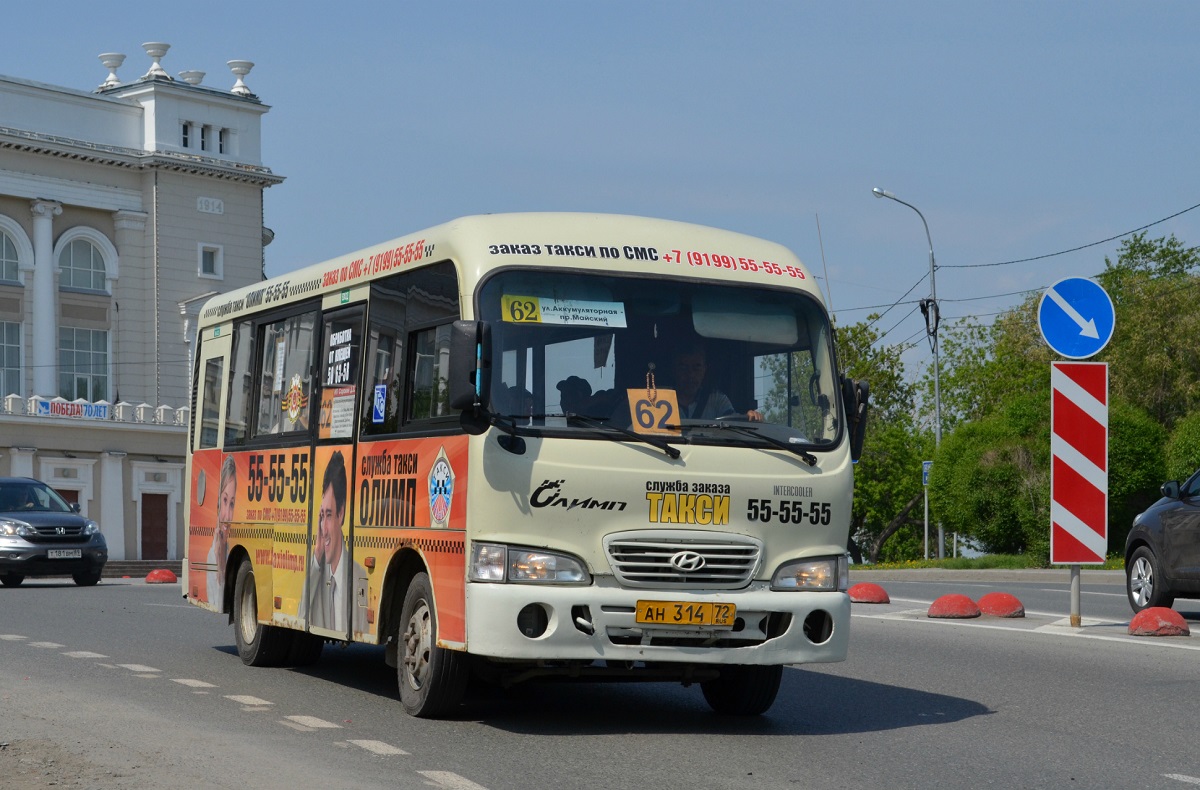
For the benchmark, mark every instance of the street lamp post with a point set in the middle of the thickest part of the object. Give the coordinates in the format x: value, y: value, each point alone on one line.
x: 929, y: 308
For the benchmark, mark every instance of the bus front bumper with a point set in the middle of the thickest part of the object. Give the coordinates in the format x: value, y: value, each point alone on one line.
x: 598, y: 622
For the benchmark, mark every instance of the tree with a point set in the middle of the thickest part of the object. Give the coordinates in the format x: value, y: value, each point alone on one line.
x: 887, y: 482
x: 1153, y: 358
x: 991, y: 482
x: 1136, y: 464
x: 1183, y: 448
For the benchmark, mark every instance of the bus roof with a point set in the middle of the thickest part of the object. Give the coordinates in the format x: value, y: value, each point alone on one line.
x: 482, y: 243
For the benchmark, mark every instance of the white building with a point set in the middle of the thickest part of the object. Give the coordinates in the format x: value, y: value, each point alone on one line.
x: 121, y: 211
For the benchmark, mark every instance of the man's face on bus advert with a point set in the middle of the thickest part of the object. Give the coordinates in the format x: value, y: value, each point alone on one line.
x: 329, y: 537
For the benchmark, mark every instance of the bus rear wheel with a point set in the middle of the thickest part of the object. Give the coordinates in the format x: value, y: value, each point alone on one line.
x: 432, y: 679
x: 743, y: 690
x: 258, y: 645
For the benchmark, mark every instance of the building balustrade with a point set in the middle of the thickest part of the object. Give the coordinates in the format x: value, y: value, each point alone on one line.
x: 94, y: 411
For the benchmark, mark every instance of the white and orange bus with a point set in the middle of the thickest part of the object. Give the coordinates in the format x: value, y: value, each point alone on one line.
x: 530, y: 445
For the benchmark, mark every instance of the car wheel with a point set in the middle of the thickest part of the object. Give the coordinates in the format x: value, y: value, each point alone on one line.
x: 87, y: 578
x: 12, y: 579
x: 258, y: 645
x: 743, y: 690
x: 432, y: 679
x: 1144, y: 584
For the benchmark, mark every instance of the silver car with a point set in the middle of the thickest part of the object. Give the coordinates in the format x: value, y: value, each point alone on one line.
x: 41, y: 534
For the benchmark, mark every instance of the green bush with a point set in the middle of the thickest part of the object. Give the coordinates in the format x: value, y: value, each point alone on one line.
x: 1135, y: 467
x: 1183, y: 448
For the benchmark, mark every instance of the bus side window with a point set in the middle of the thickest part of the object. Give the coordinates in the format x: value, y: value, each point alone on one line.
x: 241, y: 382
x: 286, y: 374
x: 400, y: 339
x: 210, y: 402
x: 339, y: 372
x: 430, y: 395
x: 384, y: 367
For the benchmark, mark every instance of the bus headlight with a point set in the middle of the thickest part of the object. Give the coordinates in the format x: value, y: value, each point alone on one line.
x: 823, y: 573
x: 495, y: 562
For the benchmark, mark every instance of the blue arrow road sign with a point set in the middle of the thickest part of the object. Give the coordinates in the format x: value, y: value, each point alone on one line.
x: 1076, y: 317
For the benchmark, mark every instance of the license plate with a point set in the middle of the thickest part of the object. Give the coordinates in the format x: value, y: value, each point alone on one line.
x: 64, y: 554
x: 692, y: 613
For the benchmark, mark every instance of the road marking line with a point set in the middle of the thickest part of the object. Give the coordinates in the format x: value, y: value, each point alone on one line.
x: 138, y: 668
x: 12, y: 637
x: 54, y: 645
x: 246, y: 700
x: 1085, y: 592
x: 313, y: 721
x: 1060, y: 627
x: 296, y: 726
x: 84, y: 654
x: 378, y: 747
x: 1028, y: 612
x: 451, y: 780
x: 196, y: 684
x: 1183, y: 778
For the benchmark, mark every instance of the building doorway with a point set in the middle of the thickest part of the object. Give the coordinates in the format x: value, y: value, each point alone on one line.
x: 154, y: 526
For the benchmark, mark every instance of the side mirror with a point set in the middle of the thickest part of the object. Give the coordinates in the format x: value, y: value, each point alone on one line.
x: 470, y: 366
x: 855, y: 398
x: 76, y: 507
x: 1170, y: 489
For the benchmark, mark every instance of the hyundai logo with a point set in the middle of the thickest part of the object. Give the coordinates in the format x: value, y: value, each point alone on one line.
x: 687, y: 561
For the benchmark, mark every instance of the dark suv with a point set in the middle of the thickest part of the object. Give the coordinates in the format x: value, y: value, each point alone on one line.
x: 42, y: 535
x: 1162, y: 552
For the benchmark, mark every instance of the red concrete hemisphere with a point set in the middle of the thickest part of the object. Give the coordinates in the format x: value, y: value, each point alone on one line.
x: 954, y: 606
x: 161, y: 576
x: 1001, y: 604
x: 866, y: 592
x: 1158, y: 621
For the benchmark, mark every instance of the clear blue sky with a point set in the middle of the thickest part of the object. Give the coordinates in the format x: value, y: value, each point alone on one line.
x: 1018, y: 129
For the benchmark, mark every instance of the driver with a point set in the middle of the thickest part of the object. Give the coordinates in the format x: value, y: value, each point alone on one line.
x: 697, y: 401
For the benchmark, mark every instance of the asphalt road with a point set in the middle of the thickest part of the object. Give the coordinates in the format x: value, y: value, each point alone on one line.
x: 125, y: 685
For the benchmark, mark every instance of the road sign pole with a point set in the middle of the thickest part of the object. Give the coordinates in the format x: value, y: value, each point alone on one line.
x: 1077, y: 318
x: 927, y: 522
x: 925, y: 467
x: 1076, y: 618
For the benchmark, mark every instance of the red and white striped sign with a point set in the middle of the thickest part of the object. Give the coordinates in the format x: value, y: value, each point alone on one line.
x: 1079, y: 462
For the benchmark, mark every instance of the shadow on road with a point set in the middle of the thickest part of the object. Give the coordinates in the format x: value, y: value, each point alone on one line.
x: 809, y: 703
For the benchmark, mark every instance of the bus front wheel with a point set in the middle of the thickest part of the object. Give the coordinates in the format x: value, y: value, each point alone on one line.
x: 258, y: 645
x: 432, y: 679
x: 743, y: 690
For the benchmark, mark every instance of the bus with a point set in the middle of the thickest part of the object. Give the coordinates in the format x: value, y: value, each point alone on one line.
x: 524, y: 446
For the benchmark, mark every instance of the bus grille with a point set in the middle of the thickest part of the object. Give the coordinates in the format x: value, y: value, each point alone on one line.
x: 679, y: 560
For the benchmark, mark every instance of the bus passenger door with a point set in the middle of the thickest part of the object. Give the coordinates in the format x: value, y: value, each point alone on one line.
x: 336, y: 598
x: 206, y: 545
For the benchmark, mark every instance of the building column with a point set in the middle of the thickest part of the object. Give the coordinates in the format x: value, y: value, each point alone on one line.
x: 45, y: 328
x: 112, y: 505
x: 128, y: 336
x: 22, y: 461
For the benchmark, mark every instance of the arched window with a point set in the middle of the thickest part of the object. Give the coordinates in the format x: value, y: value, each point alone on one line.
x: 8, y: 258
x: 82, y: 266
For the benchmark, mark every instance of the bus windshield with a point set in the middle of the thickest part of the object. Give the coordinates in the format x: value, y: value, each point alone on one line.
x: 575, y: 351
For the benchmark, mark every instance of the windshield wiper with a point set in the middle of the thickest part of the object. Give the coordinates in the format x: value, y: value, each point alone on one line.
x: 753, y: 432
x: 641, y: 437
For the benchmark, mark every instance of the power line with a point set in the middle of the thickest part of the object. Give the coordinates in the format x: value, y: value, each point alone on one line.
x: 1073, y: 249
x: 888, y: 307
